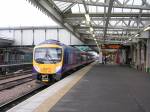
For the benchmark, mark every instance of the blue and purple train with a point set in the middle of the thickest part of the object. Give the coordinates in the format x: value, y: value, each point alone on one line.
x: 51, y: 59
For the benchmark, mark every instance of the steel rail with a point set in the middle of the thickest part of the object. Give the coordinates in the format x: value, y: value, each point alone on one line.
x: 12, y: 83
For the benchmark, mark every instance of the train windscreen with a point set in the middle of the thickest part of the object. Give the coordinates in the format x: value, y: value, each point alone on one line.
x: 48, y: 55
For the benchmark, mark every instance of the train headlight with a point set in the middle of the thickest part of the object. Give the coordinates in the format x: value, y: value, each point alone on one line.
x: 37, y: 68
x: 58, y: 68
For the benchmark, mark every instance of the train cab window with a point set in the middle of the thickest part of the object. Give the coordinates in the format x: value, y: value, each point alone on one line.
x: 48, y: 55
x: 55, y: 53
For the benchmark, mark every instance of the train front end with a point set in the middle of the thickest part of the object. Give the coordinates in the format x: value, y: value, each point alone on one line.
x: 47, y: 62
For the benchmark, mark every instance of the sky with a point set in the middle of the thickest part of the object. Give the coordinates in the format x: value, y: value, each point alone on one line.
x: 22, y: 13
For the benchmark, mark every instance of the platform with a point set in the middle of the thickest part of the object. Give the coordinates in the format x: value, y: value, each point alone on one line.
x: 104, y: 88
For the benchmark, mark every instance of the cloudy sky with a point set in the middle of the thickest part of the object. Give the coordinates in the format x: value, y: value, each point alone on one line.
x: 22, y: 13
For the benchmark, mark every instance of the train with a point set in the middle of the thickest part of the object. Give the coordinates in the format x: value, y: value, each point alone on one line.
x: 52, y: 59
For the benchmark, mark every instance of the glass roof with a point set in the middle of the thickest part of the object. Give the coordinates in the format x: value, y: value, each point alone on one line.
x: 62, y: 5
x: 126, y: 17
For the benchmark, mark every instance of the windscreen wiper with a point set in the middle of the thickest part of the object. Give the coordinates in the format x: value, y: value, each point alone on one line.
x: 50, y: 58
x: 39, y: 60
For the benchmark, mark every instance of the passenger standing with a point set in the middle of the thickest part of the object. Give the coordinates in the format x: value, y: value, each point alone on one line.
x: 104, y: 59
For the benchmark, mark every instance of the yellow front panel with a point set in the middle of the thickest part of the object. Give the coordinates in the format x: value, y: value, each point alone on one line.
x: 47, y: 68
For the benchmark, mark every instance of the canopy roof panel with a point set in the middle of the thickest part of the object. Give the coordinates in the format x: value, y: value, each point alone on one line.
x: 101, y: 19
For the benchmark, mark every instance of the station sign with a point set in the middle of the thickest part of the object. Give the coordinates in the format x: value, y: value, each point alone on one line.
x: 111, y: 46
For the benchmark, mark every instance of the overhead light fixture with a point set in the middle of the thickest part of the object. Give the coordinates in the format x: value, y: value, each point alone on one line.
x: 91, y: 29
x: 130, y: 39
x: 147, y: 28
x: 93, y: 35
x: 87, y: 17
x: 136, y: 35
x: 82, y: 25
x: 95, y: 39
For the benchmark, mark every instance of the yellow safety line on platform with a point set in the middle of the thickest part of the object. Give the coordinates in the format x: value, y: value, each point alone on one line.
x: 51, y: 101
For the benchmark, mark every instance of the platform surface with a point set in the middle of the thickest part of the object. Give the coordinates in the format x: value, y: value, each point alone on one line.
x: 47, y: 98
x: 107, y: 88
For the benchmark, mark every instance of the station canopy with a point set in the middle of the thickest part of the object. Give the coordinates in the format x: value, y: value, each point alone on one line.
x: 109, y: 21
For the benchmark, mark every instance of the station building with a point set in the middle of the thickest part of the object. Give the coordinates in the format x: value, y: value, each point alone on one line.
x: 118, y: 30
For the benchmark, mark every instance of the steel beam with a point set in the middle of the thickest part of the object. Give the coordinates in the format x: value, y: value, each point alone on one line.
x: 107, y: 5
x: 112, y: 36
x: 30, y: 28
x: 109, y: 27
x: 86, y: 10
x: 71, y: 20
x: 130, y: 14
x: 69, y: 7
x: 108, y: 17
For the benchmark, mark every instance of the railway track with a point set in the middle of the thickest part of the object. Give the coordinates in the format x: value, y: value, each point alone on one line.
x: 12, y: 82
x: 6, y: 106
x: 15, y: 74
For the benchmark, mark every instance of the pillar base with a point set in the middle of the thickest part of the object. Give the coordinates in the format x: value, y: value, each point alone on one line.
x: 148, y: 70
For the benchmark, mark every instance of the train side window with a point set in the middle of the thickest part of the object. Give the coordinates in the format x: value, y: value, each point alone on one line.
x: 66, y: 56
x: 59, y: 53
x: 70, y: 56
x: 80, y: 57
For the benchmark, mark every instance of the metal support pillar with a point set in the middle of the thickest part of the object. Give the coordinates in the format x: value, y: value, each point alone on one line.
x: 70, y: 38
x: 134, y: 55
x: 57, y: 34
x: 131, y: 54
x: 142, y: 58
x: 138, y: 56
x: 33, y: 38
x: 148, y: 56
x: 21, y: 37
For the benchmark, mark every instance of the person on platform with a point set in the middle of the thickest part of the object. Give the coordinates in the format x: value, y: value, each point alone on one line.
x: 104, y: 60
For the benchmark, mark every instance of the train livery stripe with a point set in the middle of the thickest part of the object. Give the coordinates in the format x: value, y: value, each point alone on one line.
x: 52, y: 100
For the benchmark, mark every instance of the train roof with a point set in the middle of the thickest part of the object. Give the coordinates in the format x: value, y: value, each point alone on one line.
x: 50, y: 41
x: 56, y: 42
